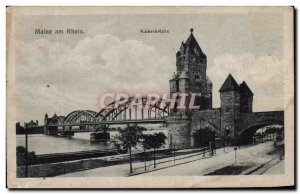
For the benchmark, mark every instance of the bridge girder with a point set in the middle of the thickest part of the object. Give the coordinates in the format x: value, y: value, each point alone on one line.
x: 113, y: 111
x: 57, y: 120
x: 79, y: 116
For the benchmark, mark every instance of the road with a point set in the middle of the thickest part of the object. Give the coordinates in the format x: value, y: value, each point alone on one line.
x: 276, y: 169
x: 188, y: 165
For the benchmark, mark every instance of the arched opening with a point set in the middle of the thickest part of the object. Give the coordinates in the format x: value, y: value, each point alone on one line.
x: 261, y: 133
x: 80, y: 117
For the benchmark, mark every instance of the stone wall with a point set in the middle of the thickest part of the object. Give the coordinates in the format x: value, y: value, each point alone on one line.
x: 206, y: 118
x: 179, y: 128
x: 53, y: 169
x: 230, y: 112
x: 183, y: 85
x: 173, y: 86
x: 197, y: 66
x: 258, y: 119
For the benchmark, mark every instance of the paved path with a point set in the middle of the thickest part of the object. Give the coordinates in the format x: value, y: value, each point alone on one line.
x: 188, y: 165
x: 276, y: 169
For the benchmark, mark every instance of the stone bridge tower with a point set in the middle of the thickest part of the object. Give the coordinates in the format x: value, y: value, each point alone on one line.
x: 235, y: 100
x: 230, y: 107
x: 190, y: 76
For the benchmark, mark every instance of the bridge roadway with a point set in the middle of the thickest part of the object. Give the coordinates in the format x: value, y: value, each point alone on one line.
x: 122, y: 122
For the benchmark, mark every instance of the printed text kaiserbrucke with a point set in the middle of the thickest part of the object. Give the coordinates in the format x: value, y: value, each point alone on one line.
x: 155, y: 31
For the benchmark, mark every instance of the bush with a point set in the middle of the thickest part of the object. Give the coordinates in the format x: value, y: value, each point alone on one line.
x: 21, y: 156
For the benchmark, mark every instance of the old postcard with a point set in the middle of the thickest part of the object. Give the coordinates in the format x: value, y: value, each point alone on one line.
x: 150, y: 97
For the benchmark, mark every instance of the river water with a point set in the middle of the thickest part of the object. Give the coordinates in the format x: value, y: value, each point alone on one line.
x: 45, y: 144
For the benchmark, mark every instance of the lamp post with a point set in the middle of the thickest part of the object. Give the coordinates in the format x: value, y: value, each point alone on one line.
x: 235, y: 155
x: 224, y: 139
x: 172, y: 145
x: 145, y: 159
x: 174, y: 152
x: 26, y: 151
x: 210, y: 149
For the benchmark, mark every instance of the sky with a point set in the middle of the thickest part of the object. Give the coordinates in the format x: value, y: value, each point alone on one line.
x: 62, y: 73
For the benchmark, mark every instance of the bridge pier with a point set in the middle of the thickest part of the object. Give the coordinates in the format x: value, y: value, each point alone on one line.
x: 100, y: 136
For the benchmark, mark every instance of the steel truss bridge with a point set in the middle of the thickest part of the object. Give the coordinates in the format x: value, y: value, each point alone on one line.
x: 125, y: 111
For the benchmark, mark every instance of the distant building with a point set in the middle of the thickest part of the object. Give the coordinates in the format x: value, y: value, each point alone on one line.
x: 31, y: 126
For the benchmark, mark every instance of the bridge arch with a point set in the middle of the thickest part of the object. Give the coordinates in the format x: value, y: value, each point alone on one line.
x: 80, y: 116
x: 56, y: 120
x: 142, y: 109
x: 54, y: 124
x: 254, y: 121
x: 254, y: 127
x: 247, y: 136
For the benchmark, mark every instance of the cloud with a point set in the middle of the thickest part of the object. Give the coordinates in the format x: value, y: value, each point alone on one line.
x: 53, y: 77
x: 263, y: 74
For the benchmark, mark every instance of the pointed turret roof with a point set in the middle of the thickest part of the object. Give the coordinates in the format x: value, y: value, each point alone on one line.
x: 229, y: 85
x: 182, y: 44
x: 245, y: 88
x: 183, y: 75
x: 173, y: 76
x: 208, y: 80
x: 192, y: 43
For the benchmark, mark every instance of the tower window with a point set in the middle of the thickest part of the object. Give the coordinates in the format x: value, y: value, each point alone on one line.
x: 197, y: 76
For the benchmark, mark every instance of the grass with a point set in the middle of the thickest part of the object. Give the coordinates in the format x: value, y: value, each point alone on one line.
x: 230, y: 170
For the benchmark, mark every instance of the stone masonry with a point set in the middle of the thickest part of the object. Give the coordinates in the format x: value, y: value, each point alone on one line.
x: 230, y: 120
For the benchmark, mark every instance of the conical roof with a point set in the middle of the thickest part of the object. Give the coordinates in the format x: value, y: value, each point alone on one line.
x: 229, y: 85
x: 192, y: 43
x: 208, y: 80
x: 183, y: 75
x: 244, y: 88
x: 173, y: 76
x: 182, y: 45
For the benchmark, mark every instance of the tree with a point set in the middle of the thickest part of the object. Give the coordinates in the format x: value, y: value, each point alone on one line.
x: 202, y: 137
x: 21, y: 156
x: 127, y: 138
x: 154, y: 141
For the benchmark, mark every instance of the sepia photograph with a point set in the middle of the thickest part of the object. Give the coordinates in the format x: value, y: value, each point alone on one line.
x: 150, y: 97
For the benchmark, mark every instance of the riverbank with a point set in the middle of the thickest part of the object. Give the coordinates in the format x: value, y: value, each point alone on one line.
x: 187, y: 164
x: 59, y: 168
